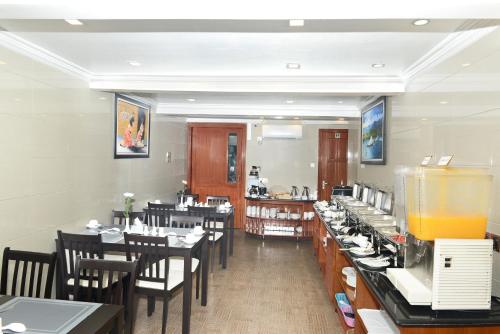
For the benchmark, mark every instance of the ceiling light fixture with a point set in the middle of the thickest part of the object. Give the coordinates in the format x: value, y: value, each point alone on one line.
x: 444, y: 102
x: 293, y: 66
x: 466, y: 64
x: 2, y: 62
x: 341, y: 119
x: 134, y: 63
x: 424, y: 119
x: 296, y: 23
x: 278, y: 117
x: 102, y: 98
x: 191, y: 100
x: 340, y: 102
x: 296, y: 118
x: 290, y: 101
x: 74, y: 22
x: 378, y: 65
x: 421, y: 22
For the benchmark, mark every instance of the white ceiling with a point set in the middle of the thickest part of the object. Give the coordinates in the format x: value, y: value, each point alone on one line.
x: 240, y: 54
x: 236, y: 60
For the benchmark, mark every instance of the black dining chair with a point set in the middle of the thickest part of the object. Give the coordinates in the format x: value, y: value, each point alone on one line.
x: 27, y: 274
x: 158, y: 215
x: 69, y: 247
x: 107, y: 282
x: 156, y: 276
x: 213, y: 200
x: 118, y: 217
x: 214, y: 236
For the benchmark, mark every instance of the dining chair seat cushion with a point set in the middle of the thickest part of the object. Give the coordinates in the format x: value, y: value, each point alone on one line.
x: 215, y: 237
x: 175, y: 278
x: 95, y: 283
x: 177, y: 263
x: 115, y: 257
x: 219, y: 225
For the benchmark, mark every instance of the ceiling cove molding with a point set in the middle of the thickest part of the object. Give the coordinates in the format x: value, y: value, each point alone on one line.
x: 448, y: 47
x: 18, y: 44
x: 368, y: 85
x: 230, y: 110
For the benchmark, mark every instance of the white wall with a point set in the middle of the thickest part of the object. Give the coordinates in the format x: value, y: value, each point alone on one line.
x: 56, y: 163
x: 286, y: 162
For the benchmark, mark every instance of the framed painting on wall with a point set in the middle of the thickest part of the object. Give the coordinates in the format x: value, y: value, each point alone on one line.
x: 373, y: 133
x: 132, y: 128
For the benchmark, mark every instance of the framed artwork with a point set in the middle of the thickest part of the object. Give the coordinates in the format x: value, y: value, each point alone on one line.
x: 132, y: 126
x: 373, y: 133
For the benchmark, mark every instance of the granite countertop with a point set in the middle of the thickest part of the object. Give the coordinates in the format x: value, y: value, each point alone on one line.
x: 404, y: 314
x: 284, y: 200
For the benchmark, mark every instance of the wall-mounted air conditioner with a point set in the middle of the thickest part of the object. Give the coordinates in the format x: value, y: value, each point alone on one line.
x: 282, y: 131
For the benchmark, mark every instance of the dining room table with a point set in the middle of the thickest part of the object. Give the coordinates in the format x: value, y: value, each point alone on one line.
x: 226, y: 216
x: 55, y: 316
x: 113, y: 241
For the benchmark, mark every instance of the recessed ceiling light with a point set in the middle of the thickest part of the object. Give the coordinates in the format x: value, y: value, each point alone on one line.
x: 466, y: 64
x: 296, y: 118
x: 191, y: 100
x: 2, y: 62
x: 102, y: 98
x: 293, y: 66
x: 74, y: 22
x: 17, y: 99
x: 278, y: 117
x: 296, y: 23
x: 443, y: 102
x: 378, y: 65
x: 340, y: 102
x: 424, y: 119
x: 290, y: 101
x: 421, y: 22
x: 134, y: 63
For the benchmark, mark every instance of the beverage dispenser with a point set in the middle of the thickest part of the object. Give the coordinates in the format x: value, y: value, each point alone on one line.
x: 451, y: 203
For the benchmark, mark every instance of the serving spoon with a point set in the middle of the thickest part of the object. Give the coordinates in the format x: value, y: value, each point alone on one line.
x: 15, y: 327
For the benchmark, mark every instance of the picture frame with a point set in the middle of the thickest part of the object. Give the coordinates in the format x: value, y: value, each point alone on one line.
x: 132, y: 128
x: 373, y: 133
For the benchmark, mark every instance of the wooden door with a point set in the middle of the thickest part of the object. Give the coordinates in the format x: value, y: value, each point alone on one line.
x: 332, y: 160
x: 216, y: 162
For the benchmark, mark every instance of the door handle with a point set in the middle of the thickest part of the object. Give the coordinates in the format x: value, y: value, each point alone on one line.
x: 323, y: 184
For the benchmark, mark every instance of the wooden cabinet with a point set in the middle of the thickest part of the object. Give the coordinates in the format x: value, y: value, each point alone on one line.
x: 287, y: 219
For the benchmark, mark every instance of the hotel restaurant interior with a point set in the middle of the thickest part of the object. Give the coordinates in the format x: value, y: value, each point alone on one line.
x: 250, y: 167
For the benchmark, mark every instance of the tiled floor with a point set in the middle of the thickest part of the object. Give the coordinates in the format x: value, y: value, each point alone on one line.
x: 271, y: 286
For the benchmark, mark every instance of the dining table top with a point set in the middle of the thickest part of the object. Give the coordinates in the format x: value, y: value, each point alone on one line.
x: 114, y: 234
x: 55, y: 316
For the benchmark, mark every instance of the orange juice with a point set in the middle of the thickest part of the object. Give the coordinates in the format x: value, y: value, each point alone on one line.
x: 459, y: 227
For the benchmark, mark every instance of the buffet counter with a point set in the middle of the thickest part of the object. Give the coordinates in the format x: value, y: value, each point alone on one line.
x: 375, y: 291
x: 279, y: 218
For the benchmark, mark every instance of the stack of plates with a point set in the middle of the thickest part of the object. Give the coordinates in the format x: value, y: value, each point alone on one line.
x: 362, y: 251
x: 350, y: 274
x: 374, y: 263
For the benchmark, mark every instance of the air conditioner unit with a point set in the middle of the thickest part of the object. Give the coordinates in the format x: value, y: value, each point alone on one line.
x: 282, y: 131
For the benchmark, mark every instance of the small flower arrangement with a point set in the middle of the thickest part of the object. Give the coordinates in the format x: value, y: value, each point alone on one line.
x: 129, y: 200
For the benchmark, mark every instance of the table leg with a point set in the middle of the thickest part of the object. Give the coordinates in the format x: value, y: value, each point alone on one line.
x: 231, y: 232
x: 187, y: 293
x: 119, y: 320
x: 204, y: 272
x: 224, y: 243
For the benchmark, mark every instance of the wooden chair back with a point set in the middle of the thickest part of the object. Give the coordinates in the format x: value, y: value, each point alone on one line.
x: 108, y: 282
x: 72, y: 245
x: 185, y: 221
x: 217, y: 200
x: 30, y: 272
x: 150, y: 251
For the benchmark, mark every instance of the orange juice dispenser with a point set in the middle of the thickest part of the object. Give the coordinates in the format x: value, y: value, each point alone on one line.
x: 449, y: 203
